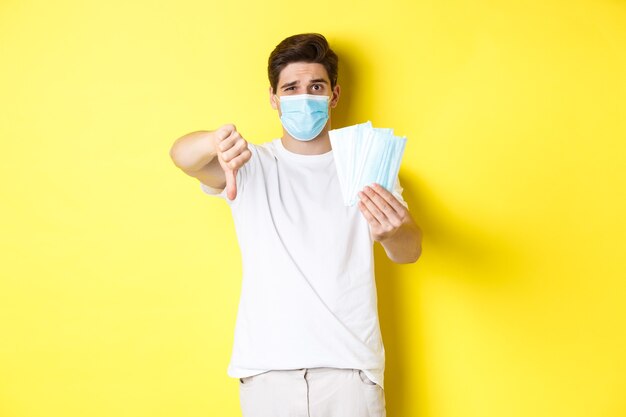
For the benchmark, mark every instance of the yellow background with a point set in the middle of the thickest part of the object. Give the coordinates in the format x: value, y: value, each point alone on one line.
x: 120, y: 279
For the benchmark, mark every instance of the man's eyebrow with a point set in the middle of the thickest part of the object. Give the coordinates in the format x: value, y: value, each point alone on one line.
x: 318, y: 80
x: 289, y: 84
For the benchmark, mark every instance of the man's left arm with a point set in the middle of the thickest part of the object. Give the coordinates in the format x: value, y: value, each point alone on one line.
x: 391, y: 224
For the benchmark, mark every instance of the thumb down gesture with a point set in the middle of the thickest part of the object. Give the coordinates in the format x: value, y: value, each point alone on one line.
x: 232, y: 153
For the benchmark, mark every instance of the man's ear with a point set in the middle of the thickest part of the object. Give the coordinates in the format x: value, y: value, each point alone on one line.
x: 335, y: 97
x: 272, y: 101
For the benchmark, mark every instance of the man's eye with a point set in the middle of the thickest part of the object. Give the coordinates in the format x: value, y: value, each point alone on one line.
x: 316, y: 87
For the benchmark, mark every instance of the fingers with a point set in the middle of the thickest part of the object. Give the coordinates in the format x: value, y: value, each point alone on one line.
x: 389, y: 198
x: 232, y: 152
x: 368, y: 215
x: 227, y: 142
x: 224, y: 131
x: 239, y: 160
x: 231, y: 184
x: 380, y: 208
x: 231, y: 172
x: 373, y: 209
x: 231, y: 146
x: 221, y: 135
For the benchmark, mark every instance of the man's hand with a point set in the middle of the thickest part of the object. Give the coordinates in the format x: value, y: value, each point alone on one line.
x: 391, y: 224
x: 232, y: 153
x: 384, y: 213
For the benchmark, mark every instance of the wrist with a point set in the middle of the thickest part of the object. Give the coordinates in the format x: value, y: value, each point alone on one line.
x: 210, y: 142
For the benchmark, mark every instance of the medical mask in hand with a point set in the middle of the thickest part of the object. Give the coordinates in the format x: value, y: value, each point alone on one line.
x: 365, y: 155
x: 304, y: 115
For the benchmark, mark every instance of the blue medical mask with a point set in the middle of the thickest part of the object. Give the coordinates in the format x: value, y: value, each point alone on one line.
x: 304, y: 115
x: 363, y: 155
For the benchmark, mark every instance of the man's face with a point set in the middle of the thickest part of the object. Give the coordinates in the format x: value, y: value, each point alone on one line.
x: 303, y: 78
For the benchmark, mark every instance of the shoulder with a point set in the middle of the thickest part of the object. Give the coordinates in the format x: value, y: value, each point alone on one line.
x: 269, y: 147
x: 264, y: 151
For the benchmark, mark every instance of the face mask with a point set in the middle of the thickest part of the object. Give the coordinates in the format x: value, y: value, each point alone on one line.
x: 364, y: 154
x: 304, y: 115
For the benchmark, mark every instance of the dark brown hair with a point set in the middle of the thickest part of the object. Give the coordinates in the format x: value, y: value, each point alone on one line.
x: 305, y: 47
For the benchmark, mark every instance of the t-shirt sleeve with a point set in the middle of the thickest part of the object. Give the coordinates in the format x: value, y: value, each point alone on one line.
x: 397, y: 192
x: 216, y: 192
x: 241, y: 179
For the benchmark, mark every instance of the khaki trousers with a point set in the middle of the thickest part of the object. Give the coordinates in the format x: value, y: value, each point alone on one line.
x: 311, y: 392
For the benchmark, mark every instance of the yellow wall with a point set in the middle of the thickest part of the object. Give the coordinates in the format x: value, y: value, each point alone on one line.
x: 120, y: 278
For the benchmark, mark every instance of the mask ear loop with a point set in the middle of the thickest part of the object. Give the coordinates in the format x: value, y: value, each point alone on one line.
x: 277, y: 101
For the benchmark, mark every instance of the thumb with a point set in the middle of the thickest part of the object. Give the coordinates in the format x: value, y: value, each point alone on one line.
x: 231, y: 183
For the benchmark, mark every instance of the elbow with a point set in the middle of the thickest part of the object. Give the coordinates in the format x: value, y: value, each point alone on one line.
x: 174, y: 155
x: 178, y: 158
x: 416, y: 255
x: 417, y: 251
x: 411, y: 257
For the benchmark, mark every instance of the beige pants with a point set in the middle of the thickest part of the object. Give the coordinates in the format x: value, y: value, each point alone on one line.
x: 311, y: 392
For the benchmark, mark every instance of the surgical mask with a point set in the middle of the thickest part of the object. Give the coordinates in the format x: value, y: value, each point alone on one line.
x: 304, y: 115
x: 363, y: 155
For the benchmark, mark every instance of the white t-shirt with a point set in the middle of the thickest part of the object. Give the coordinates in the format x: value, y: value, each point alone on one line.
x: 308, y: 294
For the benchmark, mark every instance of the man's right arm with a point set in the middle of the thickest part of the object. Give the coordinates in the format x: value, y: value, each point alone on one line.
x: 195, y: 154
x: 213, y: 157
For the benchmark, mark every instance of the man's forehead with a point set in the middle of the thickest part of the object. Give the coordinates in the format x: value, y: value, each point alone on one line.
x: 303, y: 71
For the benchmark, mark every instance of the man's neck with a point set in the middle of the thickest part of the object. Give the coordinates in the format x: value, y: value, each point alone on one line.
x: 317, y: 146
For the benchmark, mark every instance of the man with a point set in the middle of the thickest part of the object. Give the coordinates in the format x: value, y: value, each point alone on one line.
x: 307, y: 337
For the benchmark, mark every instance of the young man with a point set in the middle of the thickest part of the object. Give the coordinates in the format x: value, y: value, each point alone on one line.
x: 307, y: 339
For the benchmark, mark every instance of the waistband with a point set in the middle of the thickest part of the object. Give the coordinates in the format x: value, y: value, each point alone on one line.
x: 302, y: 372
